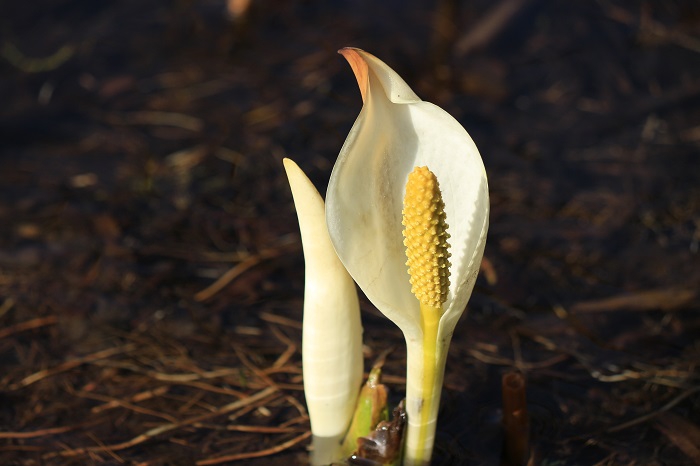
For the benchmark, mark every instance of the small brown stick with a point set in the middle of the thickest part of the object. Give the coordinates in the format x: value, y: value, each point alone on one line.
x: 190, y: 380
x: 256, y: 454
x: 263, y: 429
x: 214, y: 389
x: 68, y: 365
x: 228, y: 277
x: 142, y: 396
x: 28, y: 325
x: 126, y: 405
x: 296, y: 370
x: 182, y: 378
x: 290, y: 386
x: 240, y: 413
x: 296, y: 420
x: 275, y: 319
x: 238, y: 270
x: 195, y: 400
x: 105, y: 448
x: 266, y: 379
x: 288, y: 353
x: 516, y: 423
x: 241, y: 353
x: 299, y: 406
x: 36, y: 433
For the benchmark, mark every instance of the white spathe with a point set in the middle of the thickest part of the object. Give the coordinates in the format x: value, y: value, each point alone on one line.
x: 395, y: 132
x: 332, y: 332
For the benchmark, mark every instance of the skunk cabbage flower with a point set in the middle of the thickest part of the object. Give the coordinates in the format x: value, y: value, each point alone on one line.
x: 394, y: 133
x: 332, y: 332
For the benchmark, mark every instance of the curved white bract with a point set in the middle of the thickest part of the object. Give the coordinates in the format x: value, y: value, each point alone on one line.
x: 395, y: 132
x: 332, y: 331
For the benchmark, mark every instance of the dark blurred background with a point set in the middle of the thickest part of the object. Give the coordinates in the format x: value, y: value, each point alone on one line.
x: 150, y: 264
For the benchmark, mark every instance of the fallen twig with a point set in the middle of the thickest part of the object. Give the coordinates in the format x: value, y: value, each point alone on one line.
x: 36, y: 433
x: 237, y: 270
x: 256, y: 454
x: 126, y: 405
x: 68, y: 365
x: 28, y: 325
x: 143, y: 396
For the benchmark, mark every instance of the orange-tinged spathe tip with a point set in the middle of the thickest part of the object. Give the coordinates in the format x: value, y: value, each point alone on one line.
x: 359, y: 67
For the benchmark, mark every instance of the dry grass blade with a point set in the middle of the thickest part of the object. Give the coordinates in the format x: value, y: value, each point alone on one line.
x: 263, y: 429
x: 283, y: 359
x: 126, y: 405
x: 146, y: 395
x: 37, y: 433
x: 280, y: 320
x: 256, y: 454
x: 239, y: 269
x: 28, y: 325
x: 68, y: 365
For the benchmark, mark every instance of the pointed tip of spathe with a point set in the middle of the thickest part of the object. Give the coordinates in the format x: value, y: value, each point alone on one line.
x: 345, y: 51
x: 359, y: 67
x: 291, y: 168
x: 296, y: 176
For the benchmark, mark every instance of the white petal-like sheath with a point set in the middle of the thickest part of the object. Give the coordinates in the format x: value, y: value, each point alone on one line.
x: 332, y: 331
x: 394, y: 133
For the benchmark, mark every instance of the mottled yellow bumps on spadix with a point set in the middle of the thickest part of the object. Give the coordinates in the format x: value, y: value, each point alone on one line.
x: 425, y: 237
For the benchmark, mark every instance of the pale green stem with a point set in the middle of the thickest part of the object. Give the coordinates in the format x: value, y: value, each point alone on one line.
x: 325, y: 450
x: 425, y: 371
